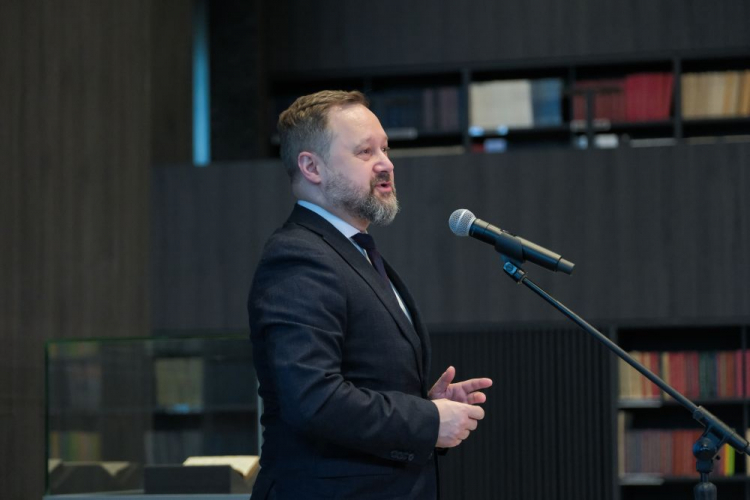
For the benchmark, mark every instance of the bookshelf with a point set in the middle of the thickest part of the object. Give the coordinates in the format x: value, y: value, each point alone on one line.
x: 600, y: 102
x: 709, y: 365
x: 143, y: 402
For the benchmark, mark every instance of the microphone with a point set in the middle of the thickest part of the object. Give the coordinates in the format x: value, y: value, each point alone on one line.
x: 463, y: 223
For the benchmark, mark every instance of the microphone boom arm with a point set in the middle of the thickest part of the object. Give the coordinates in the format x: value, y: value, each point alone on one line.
x: 716, y: 433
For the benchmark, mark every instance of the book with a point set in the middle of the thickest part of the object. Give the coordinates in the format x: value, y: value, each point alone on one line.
x: 608, y: 101
x: 247, y: 465
x: 648, y: 96
x: 743, y: 99
x: 546, y: 96
x: 500, y: 104
x: 179, y: 383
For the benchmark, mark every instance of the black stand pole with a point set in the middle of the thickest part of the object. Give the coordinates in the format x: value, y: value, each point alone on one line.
x: 717, y: 433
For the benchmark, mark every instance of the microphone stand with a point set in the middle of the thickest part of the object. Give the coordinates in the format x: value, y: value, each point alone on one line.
x: 716, y: 433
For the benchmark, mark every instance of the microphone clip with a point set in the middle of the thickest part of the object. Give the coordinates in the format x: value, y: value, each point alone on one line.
x: 513, y: 269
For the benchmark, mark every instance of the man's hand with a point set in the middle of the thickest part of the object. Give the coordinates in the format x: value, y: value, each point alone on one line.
x: 457, y: 420
x: 460, y: 392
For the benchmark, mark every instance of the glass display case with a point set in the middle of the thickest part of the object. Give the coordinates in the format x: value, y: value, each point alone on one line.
x: 123, y: 416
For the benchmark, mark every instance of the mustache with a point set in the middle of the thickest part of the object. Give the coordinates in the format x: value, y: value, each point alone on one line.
x: 381, y: 177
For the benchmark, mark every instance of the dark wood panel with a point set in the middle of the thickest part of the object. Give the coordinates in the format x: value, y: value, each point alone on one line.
x: 658, y: 234
x: 171, y: 81
x: 238, y: 80
x: 391, y: 34
x: 209, y: 226
x: 74, y: 198
x: 639, y: 223
x: 548, y: 415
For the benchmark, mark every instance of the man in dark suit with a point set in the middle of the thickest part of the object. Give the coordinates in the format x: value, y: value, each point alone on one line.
x: 340, y: 350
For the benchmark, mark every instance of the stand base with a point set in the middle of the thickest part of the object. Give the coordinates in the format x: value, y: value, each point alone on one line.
x: 705, y: 491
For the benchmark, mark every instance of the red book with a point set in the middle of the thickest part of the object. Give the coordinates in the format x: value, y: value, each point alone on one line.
x: 738, y: 378
x: 677, y: 372
x: 648, y: 96
x: 685, y: 372
x: 680, y: 463
x: 730, y: 377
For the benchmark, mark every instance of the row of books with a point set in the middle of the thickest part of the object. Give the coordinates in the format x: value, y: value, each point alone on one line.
x: 431, y: 109
x: 179, y: 385
x: 405, y: 112
x: 179, y: 382
x: 172, y: 447
x: 75, y: 445
x: 716, y: 94
x: 634, y: 98
x: 75, y: 384
x: 668, y: 453
x: 499, y: 104
x: 694, y: 374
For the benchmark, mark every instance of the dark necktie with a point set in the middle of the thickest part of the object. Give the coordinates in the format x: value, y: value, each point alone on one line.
x: 368, y: 243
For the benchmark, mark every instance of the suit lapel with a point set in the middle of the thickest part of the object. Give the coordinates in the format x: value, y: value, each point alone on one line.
x: 359, y: 263
x: 416, y: 322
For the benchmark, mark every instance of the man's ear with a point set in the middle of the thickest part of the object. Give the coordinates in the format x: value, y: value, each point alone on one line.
x: 309, y: 166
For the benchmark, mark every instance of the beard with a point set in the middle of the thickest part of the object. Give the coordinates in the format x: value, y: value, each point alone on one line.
x: 366, y: 205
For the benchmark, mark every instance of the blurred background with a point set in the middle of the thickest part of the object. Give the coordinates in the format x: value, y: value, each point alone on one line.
x: 140, y: 180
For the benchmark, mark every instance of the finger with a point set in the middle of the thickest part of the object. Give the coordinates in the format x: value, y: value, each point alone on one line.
x: 472, y: 425
x: 476, y: 412
x: 444, y: 381
x: 475, y: 384
x: 476, y: 398
x: 463, y: 435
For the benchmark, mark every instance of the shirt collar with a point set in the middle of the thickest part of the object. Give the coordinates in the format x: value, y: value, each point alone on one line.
x: 344, y: 227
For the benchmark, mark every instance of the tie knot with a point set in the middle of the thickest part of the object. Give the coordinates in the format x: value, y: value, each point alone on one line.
x: 364, y: 240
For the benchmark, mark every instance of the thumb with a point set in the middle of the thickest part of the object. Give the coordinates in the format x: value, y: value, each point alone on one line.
x: 444, y: 381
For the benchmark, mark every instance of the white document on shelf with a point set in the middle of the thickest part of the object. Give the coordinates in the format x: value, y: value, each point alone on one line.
x: 503, y: 103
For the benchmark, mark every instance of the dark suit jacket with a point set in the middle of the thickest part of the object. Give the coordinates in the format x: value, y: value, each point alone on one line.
x: 342, y: 372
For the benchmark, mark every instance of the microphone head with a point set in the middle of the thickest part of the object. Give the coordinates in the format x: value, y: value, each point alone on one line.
x: 460, y: 222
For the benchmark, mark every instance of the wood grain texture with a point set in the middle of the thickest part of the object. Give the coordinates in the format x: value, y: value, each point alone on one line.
x: 547, y: 415
x: 401, y: 34
x: 74, y: 199
x: 171, y: 81
x: 657, y: 234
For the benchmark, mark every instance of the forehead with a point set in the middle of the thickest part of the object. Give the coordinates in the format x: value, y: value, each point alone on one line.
x: 355, y: 123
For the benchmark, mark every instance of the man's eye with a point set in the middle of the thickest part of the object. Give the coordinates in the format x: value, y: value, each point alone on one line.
x: 365, y: 151
x: 386, y: 149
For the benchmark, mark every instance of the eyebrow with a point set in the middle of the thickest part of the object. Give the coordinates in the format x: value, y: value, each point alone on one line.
x: 368, y: 140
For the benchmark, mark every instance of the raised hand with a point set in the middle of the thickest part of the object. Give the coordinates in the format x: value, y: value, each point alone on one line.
x: 467, y: 391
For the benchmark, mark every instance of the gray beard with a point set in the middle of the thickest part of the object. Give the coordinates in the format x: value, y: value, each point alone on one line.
x: 367, y: 206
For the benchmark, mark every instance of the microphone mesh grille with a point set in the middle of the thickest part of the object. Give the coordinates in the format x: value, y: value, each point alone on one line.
x: 460, y: 222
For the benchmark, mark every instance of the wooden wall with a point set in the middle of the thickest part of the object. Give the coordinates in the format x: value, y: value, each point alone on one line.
x: 657, y: 234
x: 74, y: 195
x: 342, y: 35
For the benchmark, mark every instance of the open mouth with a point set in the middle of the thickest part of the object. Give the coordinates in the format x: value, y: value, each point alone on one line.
x: 384, y: 186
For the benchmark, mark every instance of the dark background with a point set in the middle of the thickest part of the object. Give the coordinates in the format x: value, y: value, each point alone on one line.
x: 107, y: 230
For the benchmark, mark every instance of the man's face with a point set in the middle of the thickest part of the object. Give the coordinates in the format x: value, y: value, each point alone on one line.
x: 358, y: 176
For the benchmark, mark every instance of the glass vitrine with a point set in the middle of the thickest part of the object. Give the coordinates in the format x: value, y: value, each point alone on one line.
x: 122, y: 413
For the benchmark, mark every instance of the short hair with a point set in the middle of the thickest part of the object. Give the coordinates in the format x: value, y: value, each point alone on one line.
x: 304, y: 125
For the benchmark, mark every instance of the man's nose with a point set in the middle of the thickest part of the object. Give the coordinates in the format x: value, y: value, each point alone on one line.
x: 385, y: 164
